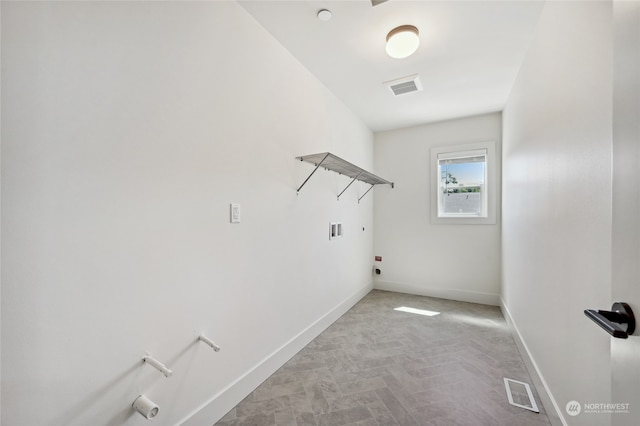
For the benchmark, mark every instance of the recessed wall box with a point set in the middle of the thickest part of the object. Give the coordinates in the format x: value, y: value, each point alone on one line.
x: 335, y: 230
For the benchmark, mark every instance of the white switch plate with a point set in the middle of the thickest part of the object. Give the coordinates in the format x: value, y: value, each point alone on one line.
x: 235, y: 213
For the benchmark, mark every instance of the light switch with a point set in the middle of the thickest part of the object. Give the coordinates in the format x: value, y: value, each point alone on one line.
x: 235, y: 213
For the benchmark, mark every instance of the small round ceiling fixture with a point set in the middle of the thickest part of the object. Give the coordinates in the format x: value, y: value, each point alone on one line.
x: 402, y: 41
x: 324, y: 15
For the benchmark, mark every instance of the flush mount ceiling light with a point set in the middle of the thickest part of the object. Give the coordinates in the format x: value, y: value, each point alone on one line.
x: 324, y: 15
x: 402, y: 41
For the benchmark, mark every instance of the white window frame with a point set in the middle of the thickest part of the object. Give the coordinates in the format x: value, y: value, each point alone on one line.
x: 488, y: 217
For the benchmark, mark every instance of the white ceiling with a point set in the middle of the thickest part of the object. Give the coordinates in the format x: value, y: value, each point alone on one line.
x: 468, y: 59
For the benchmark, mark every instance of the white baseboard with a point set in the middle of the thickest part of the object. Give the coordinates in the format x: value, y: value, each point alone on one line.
x: 554, y: 413
x: 441, y: 293
x: 221, y: 403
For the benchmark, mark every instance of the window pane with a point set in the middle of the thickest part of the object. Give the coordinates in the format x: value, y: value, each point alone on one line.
x: 462, y: 185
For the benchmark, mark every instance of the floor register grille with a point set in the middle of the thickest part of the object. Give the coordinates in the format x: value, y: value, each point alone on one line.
x: 519, y: 394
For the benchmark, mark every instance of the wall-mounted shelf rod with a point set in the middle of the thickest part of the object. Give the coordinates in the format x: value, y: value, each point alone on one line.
x: 204, y: 339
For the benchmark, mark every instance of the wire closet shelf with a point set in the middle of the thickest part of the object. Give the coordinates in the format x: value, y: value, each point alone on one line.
x: 336, y: 164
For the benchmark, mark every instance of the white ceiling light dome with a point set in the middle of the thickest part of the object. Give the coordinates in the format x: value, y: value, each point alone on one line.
x: 324, y: 15
x: 402, y: 41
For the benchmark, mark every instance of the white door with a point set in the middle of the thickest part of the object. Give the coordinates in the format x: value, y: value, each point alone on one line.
x: 625, y: 353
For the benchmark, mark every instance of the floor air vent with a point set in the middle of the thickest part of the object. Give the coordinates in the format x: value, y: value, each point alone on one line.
x: 519, y: 394
x: 404, y: 85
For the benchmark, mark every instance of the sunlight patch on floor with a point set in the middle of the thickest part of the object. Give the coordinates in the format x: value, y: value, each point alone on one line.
x: 416, y: 311
x: 477, y: 321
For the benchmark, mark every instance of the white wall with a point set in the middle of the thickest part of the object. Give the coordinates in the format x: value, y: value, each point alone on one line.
x: 128, y: 128
x: 459, y: 262
x: 557, y: 201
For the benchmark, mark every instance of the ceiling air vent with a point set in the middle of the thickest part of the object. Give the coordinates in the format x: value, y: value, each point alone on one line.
x: 404, y: 85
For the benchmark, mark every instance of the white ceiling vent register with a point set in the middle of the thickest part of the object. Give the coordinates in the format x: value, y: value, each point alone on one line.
x: 404, y: 85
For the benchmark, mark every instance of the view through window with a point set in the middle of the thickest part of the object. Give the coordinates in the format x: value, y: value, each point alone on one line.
x: 462, y: 187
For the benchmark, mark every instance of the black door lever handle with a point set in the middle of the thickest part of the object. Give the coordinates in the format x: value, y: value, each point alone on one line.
x: 618, y: 322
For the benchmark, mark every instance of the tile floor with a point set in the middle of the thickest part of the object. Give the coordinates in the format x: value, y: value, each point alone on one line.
x: 380, y: 366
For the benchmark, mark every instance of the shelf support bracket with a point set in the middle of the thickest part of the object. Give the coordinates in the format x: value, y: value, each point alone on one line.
x: 365, y: 193
x: 353, y: 180
x: 314, y: 170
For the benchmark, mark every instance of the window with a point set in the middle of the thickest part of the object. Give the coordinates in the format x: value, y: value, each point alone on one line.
x: 463, y: 189
x: 462, y: 185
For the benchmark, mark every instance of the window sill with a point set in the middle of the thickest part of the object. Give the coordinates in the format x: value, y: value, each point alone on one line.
x: 463, y: 220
